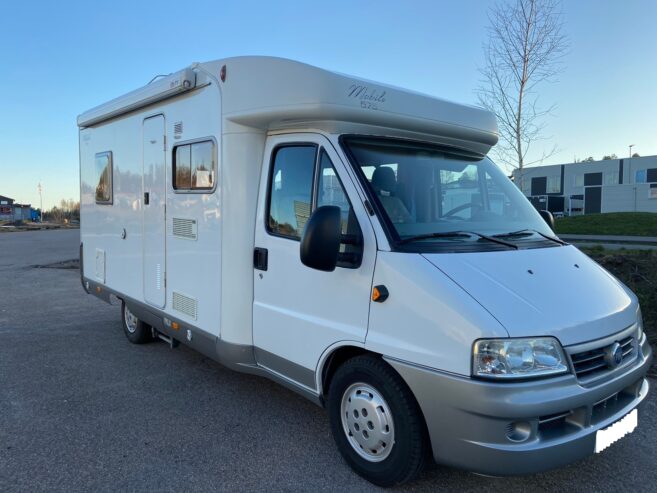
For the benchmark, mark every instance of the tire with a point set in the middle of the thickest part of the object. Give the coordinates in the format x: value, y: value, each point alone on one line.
x: 135, y: 330
x: 367, y: 386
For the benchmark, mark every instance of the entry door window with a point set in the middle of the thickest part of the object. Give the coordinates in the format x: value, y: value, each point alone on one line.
x: 290, y: 190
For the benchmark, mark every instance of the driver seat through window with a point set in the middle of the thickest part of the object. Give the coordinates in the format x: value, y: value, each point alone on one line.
x: 384, y: 183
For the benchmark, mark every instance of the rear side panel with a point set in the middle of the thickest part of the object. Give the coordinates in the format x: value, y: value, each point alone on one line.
x: 170, y: 261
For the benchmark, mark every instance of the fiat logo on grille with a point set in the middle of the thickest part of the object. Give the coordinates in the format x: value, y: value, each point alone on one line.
x: 614, y: 355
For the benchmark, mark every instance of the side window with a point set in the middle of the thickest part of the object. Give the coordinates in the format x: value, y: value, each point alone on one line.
x: 554, y: 184
x: 290, y: 190
x: 331, y: 192
x: 194, y: 166
x: 103, y: 169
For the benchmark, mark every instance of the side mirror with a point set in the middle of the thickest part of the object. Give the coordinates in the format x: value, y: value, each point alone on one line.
x: 548, y: 218
x: 320, y: 243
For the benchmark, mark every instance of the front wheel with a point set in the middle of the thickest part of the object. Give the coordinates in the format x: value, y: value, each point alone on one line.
x: 135, y: 330
x: 376, y: 422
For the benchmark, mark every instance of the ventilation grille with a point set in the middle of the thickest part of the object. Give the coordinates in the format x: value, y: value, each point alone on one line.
x: 178, y: 128
x: 100, y: 265
x: 184, y: 304
x: 184, y: 228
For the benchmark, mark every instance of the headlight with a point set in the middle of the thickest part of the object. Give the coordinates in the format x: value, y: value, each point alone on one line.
x: 518, y: 358
x: 639, y: 324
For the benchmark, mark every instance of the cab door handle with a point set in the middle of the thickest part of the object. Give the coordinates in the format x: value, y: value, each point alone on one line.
x: 260, y: 258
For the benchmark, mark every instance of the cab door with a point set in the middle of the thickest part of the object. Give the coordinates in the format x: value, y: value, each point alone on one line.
x: 299, y: 312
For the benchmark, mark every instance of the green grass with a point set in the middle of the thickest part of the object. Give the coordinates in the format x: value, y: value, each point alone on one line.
x: 613, y: 223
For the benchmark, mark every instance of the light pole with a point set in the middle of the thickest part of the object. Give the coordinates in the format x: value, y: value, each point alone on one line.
x: 40, y: 203
x: 630, y: 173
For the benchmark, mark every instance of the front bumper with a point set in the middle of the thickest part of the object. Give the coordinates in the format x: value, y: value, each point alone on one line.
x: 470, y: 421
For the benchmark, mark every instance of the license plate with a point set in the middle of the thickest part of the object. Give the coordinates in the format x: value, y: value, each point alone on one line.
x: 622, y: 427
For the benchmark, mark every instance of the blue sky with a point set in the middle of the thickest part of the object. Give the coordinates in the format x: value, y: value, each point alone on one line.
x: 58, y: 59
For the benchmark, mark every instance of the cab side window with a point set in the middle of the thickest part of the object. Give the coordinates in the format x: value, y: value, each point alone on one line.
x: 331, y: 192
x: 290, y: 190
x: 302, y: 178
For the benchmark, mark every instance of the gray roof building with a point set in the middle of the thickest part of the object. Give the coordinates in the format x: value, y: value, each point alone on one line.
x: 11, y: 211
x: 612, y: 185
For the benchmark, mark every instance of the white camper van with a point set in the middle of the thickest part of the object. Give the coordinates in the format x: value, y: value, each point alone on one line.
x: 353, y: 242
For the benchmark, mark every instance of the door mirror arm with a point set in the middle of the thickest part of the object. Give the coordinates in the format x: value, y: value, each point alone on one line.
x: 548, y: 218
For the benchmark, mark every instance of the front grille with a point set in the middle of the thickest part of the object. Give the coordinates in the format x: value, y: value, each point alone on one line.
x: 558, y: 425
x: 592, y: 363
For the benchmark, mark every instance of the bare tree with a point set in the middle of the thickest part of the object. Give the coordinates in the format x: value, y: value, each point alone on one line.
x: 524, y: 48
x: 67, y: 210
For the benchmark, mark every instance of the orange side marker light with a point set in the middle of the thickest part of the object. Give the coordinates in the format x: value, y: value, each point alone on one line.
x: 380, y: 293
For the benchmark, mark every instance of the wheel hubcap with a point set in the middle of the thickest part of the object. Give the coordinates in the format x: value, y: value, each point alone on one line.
x: 130, y: 320
x: 367, y: 422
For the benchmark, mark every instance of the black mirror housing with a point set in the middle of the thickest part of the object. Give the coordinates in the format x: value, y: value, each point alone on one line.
x: 320, y: 243
x: 548, y: 218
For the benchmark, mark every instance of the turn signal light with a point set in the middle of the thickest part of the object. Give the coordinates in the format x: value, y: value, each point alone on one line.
x: 380, y: 293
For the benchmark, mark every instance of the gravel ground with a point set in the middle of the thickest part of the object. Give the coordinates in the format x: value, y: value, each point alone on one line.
x: 82, y: 409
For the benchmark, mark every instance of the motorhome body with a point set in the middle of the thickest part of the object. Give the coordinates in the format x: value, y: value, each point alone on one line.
x: 207, y: 195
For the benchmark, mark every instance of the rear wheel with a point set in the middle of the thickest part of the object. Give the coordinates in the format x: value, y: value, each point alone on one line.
x: 376, y: 422
x: 135, y: 330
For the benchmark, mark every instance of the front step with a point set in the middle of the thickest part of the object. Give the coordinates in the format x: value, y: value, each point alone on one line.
x: 173, y: 343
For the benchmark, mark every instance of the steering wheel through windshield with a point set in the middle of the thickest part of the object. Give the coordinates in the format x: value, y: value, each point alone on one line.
x: 459, y: 208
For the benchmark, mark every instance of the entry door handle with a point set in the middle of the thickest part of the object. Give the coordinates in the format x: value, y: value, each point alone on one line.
x: 260, y: 258
x: 147, y: 198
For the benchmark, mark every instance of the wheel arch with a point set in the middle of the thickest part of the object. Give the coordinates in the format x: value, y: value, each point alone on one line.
x: 336, y: 356
x: 332, y: 359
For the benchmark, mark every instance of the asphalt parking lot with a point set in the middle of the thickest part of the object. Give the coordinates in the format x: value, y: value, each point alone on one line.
x: 83, y: 409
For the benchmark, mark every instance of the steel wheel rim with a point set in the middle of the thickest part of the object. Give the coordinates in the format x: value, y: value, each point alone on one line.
x: 367, y: 422
x: 130, y: 320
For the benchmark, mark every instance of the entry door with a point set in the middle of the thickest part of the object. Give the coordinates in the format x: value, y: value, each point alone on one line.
x: 154, y: 211
x: 299, y: 312
x: 592, y: 200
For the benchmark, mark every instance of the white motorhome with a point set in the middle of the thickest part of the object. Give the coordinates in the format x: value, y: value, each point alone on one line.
x: 353, y: 242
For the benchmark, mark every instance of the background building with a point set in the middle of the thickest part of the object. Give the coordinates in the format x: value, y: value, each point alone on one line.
x: 10, y: 211
x: 612, y: 185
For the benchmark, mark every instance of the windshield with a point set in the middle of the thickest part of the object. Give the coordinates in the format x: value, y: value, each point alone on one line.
x: 424, y: 191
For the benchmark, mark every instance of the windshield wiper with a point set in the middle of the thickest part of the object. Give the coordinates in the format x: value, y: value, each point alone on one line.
x: 457, y: 234
x: 526, y: 232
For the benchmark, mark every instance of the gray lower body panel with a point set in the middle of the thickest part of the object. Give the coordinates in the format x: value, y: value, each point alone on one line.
x: 470, y: 421
x: 238, y: 357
